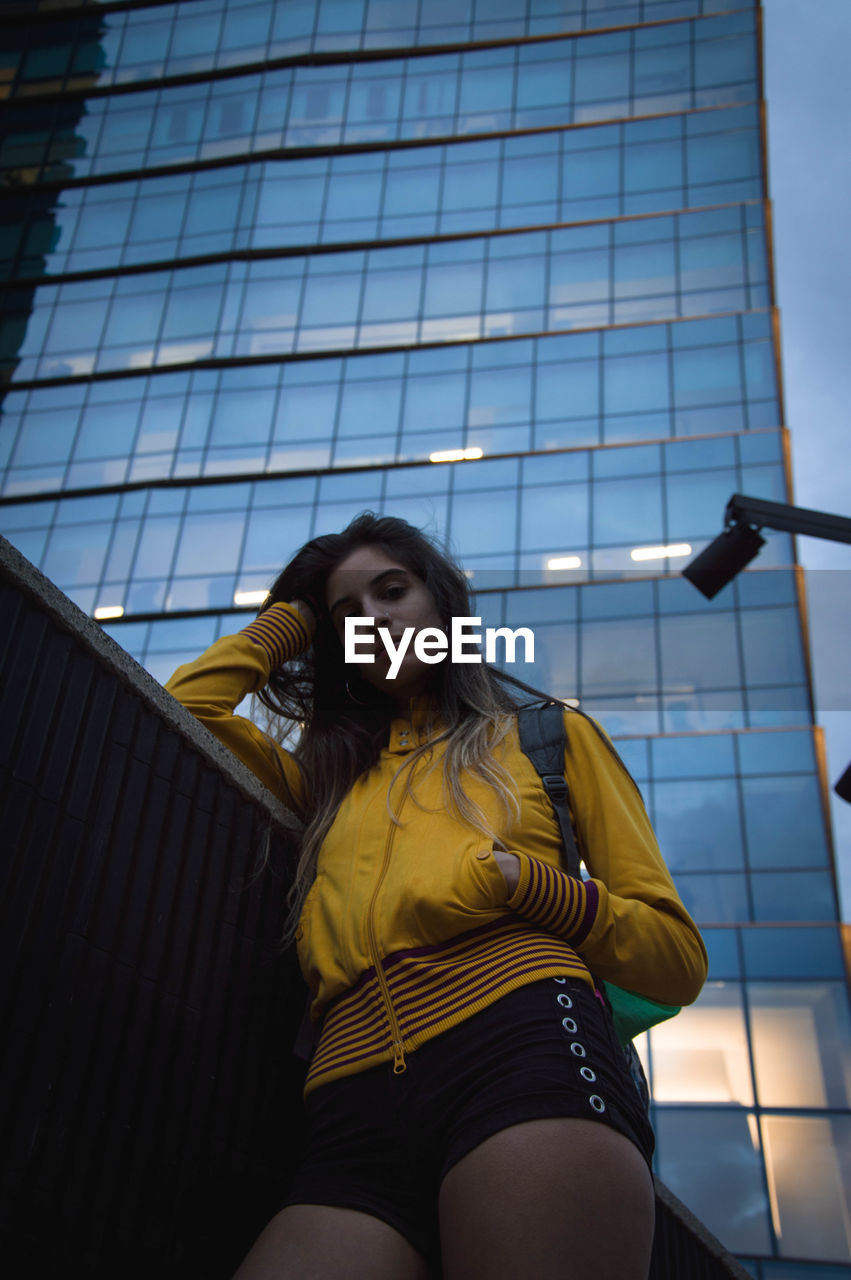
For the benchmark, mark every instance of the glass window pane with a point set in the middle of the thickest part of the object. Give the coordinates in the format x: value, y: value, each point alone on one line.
x: 801, y: 1034
x: 735, y: 155
x: 77, y: 327
x: 697, y: 824
x: 582, y: 276
x: 601, y: 77
x: 273, y: 534
x: 650, y: 166
x: 487, y: 88
x: 370, y: 408
x: 707, y: 375
x: 554, y: 668
x: 808, y: 1162
x: 44, y: 437
x: 591, y: 173
x: 628, y: 511
x: 772, y: 646
x: 633, y: 383
x: 618, y: 657
x: 483, y: 522
x: 543, y: 84
x: 793, y: 953
x: 529, y: 178
x: 222, y: 530
x: 793, y: 895
x: 696, y: 501
x: 714, y: 898
x: 75, y: 555
x: 642, y: 270
x: 434, y: 399
x: 331, y: 299
x: 698, y: 757
x: 701, y: 1055
x: 787, y: 752
x: 156, y: 546
x: 555, y: 518
x: 724, y: 61
x: 712, y: 262
x: 243, y: 416
x: 570, y: 390
x: 306, y: 413
x: 661, y: 69
x: 699, y: 651
x: 499, y: 396
x: 453, y: 289
x: 392, y: 295
x: 291, y: 199
x: 517, y: 282
x: 412, y: 190
x: 726, y: 1192
x: 471, y: 186
x: 783, y: 822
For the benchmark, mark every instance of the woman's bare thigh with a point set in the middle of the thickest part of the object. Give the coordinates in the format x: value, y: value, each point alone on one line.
x: 319, y: 1242
x: 555, y: 1199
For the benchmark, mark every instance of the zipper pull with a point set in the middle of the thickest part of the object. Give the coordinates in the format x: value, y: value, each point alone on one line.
x: 399, y: 1063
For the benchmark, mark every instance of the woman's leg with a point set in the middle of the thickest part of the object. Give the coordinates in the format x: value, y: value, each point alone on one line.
x: 318, y: 1242
x: 555, y: 1199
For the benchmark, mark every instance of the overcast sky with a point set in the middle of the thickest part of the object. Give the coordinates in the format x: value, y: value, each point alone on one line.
x: 808, y: 89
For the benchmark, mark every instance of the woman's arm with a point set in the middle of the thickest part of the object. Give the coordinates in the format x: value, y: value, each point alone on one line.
x: 234, y: 666
x: 627, y: 921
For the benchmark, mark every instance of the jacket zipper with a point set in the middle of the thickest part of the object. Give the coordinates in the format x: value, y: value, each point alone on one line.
x: 399, y: 1064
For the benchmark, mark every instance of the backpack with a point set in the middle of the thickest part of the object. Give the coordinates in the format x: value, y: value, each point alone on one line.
x: 543, y: 739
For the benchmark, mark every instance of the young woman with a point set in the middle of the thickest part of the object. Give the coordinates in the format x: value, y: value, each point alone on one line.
x: 469, y: 1107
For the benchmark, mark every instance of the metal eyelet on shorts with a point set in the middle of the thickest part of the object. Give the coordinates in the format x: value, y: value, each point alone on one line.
x: 597, y: 1103
x: 587, y: 1074
x: 569, y: 1025
x: 564, y: 1000
x: 560, y: 981
x: 577, y: 1049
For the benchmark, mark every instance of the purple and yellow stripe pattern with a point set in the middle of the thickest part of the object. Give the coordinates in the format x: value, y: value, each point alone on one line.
x: 555, y: 901
x: 435, y: 988
x: 280, y: 631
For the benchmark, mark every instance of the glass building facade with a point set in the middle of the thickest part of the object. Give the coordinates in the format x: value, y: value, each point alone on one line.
x: 501, y: 267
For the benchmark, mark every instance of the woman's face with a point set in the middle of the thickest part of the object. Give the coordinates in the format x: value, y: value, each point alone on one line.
x: 368, y: 583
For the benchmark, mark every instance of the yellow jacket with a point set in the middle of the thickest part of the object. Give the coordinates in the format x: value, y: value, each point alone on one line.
x: 409, y: 927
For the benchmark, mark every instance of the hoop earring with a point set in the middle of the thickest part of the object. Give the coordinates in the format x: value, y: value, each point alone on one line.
x: 358, y: 701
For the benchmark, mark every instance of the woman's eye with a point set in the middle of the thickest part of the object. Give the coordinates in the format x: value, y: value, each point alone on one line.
x: 394, y: 592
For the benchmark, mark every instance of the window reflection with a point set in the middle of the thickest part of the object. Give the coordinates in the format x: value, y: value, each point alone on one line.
x: 483, y: 91
x: 727, y: 1192
x: 808, y: 1164
x: 801, y: 1033
x: 702, y: 1054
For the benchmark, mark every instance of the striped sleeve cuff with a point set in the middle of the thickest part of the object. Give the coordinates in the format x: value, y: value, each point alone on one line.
x: 280, y: 631
x: 555, y: 901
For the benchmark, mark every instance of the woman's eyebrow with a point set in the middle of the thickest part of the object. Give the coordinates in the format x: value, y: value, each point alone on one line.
x: 373, y: 582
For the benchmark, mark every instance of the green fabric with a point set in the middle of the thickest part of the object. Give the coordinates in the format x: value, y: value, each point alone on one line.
x: 633, y: 1013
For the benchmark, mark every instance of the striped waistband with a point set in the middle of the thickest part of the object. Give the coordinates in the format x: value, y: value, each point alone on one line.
x: 435, y: 988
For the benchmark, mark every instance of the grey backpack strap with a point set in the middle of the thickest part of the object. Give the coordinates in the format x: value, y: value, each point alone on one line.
x: 543, y: 740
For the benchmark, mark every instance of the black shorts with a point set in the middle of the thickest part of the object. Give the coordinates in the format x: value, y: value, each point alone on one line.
x: 382, y: 1144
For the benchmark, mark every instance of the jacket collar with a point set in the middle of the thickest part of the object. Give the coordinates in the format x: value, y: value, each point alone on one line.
x: 409, y: 732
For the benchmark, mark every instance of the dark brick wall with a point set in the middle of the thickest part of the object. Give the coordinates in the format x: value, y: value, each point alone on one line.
x: 148, y: 1092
